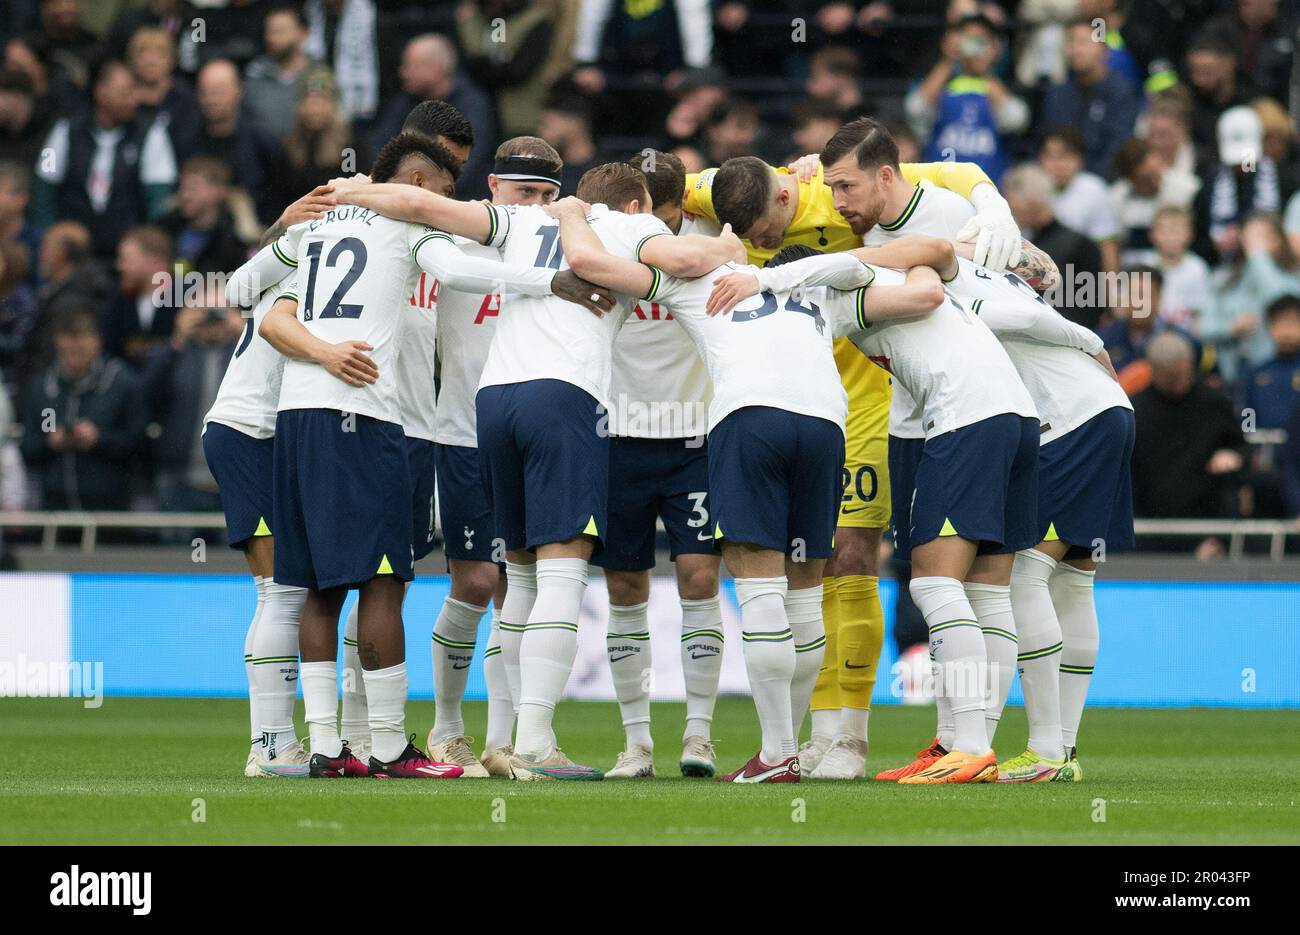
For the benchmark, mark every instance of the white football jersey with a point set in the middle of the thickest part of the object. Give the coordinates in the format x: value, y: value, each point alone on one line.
x: 933, y: 212
x: 1051, y: 353
x: 774, y: 349
x: 250, y: 390
x: 356, y: 270
x: 549, y: 338
x: 466, y: 323
x: 659, y: 386
x: 948, y: 361
x: 417, y: 360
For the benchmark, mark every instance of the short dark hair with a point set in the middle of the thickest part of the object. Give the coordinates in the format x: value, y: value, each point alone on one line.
x: 213, y: 168
x: 1129, y: 156
x: 869, y: 139
x: 1070, y: 137
x: 1212, y: 40
x: 731, y: 107
x: 440, y: 119
x: 742, y: 187
x: 816, y: 108
x: 76, y: 319
x: 614, y: 184
x: 1150, y: 272
x: 104, y: 68
x: 151, y: 239
x: 412, y: 144
x: 292, y: 9
x: 664, y: 173
x: 796, y: 251
x: 1283, y: 303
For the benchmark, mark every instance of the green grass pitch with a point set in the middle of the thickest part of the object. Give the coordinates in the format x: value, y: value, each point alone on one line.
x: 143, y: 771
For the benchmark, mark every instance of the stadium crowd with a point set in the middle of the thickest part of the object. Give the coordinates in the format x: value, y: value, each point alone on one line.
x: 144, y: 142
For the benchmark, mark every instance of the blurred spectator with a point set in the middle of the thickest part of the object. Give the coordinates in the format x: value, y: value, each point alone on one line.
x: 1262, y: 269
x: 961, y: 106
x: 227, y: 134
x: 691, y: 158
x: 200, y: 225
x: 1265, y: 43
x: 1288, y: 463
x: 151, y: 55
x: 71, y: 277
x: 1134, y: 322
x: 23, y: 125
x: 180, y: 381
x: 700, y: 92
x: 834, y: 74
x: 506, y: 45
x: 104, y: 167
x: 1189, y: 441
x: 1030, y: 192
x: 565, y: 123
x: 909, y: 147
x: 1291, y: 223
x: 1212, y: 76
x: 1100, y: 102
x: 62, y: 37
x: 1169, y: 131
x: 621, y: 39
x: 164, y: 15
x: 318, y: 143
x: 1279, y: 142
x: 15, y: 197
x: 1187, y: 282
x: 1245, y: 182
x: 342, y: 34
x: 13, y: 481
x: 17, y: 307
x: 1143, y: 185
x: 733, y: 130
x: 1271, y: 390
x: 815, y: 122
x: 429, y: 72
x: 59, y: 83
x: 1082, y: 202
x: 271, y: 81
x: 83, y: 421
x: 142, y: 312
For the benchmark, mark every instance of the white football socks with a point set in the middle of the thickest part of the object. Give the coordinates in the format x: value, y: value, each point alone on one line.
x: 701, y: 662
x: 454, y: 634
x: 254, y: 717
x: 1072, y: 595
x: 320, y: 697
x: 943, y: 728
x: 521, y: 594
x: 356, y: 716
x: 992, y: 606
x: 853, y: 723
x: 386, y: 697
x: 1040, y: 650
x: 501, y: 707
x: 826, y: 722
x: 768, y: 645
x: 627, y: 644
x: 547, y: 650
x: 958, y: 647
x: 803, y: 608
x: 275, y: 664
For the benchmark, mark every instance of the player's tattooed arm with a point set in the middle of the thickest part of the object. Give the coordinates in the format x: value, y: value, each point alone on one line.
x: 1034, y: 266
x: 473, y: 219
x: 588, y: 258
x: 910, y: 251
x: 347, y: 360
x: 310, y: 207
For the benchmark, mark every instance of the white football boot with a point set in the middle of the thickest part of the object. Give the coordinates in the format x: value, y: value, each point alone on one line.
x: 846, y: 759
x: 457, y: 750
x: 698, y: 759
x: 812, y: 751
x: 637, y: 762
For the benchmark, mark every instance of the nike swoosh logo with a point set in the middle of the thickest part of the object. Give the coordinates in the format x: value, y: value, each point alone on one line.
x: 704, y: 537
x: 460, y: 665
x: 847, y: 510
x: 622, y: 657
x: 849, y: 665
x: 773, y: 771
x: 703, y: 655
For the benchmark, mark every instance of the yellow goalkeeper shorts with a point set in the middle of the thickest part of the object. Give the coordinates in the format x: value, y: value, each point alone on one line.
x: 865, y: 502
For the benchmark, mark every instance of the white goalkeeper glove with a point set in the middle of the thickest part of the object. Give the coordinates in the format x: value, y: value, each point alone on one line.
x: 993, y: 231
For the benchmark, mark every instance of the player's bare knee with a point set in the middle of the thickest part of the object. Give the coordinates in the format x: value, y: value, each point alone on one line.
x: 697, y: 581
x: 627, y: 588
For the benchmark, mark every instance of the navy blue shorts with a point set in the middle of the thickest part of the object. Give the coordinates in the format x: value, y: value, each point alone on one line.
x: 1085, y: 485
x: 544, y: 455
x: 904, y: 459
x: 649, y: 477
x: 241, y: 466
x: 467, y: 529
x: 420, y: 462
x: 980, y: 482
x: 774, y: 480
x: 342, y: 500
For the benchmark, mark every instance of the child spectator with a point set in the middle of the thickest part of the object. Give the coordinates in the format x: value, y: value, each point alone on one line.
x: 1082, y: 202
x: 1271, y: 390
x: 1186, y: 275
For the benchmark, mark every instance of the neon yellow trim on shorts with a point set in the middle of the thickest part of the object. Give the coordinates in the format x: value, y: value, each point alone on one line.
x: 384, y: 567
x: 948, y: 529
x: 262, y: 529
